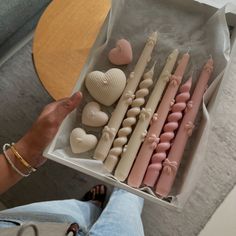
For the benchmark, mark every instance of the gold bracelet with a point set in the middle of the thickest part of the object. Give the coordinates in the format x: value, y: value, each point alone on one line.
x: 11, y: 163
x: 21, y: 159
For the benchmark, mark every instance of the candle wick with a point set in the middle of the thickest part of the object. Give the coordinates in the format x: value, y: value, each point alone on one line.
x: 154, y: 65
x: 192, y: 72
x: 189, y: 48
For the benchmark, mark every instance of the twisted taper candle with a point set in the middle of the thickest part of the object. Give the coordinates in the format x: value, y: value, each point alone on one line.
x: 146, y: 114
x: 110, y: 131
x: 172, y: 162
x: 168, y: 135
x: 118, y: 144
x: 151, y: 140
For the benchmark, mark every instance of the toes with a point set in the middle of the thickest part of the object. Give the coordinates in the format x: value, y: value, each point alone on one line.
x: 97, y: 193
x: 97, y: 190
x: 93, y: 193
x: 102, y: 189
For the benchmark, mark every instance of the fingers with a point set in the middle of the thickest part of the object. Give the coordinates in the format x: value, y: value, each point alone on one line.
x: 52, y: 107
x: 65, y: 106
x: 54, y: 113
x: 71, y: 103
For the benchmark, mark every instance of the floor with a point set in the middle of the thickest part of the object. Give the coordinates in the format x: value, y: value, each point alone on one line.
x: 223, y: 220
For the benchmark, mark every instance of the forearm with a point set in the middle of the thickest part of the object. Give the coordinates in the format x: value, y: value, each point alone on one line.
x: 8, y: 176
x: 31, y: 146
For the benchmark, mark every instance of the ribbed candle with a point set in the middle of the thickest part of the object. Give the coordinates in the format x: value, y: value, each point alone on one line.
x: 158, y: 121
x: 109, y: 132
x: 171, y: 164
x: 168, y: 135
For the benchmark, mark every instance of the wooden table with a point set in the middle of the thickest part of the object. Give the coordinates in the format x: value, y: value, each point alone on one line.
x: 63, y: 38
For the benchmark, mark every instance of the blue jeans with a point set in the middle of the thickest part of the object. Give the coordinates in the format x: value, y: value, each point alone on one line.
x: 121, y: 216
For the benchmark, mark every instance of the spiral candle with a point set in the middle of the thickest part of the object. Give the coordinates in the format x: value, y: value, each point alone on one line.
x: 108, y: 134
x: 151, y: 139
x: 168, y: 135
x: 172, y: 162
x: 146, y: 115
x: 133, y: 112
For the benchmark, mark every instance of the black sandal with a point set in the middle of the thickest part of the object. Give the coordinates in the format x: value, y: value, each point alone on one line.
x: 97, y: 194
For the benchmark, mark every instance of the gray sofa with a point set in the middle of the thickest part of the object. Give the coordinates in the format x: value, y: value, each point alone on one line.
x: 17, y: 19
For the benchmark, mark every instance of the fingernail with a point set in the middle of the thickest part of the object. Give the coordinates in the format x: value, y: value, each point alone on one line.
x: 81, y: 94
x: 77, y: 94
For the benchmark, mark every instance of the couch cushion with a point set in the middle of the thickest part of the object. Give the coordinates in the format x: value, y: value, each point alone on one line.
x: 17, y: 19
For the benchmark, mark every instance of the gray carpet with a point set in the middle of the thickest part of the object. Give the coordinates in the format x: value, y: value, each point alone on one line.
x: 22, y: 97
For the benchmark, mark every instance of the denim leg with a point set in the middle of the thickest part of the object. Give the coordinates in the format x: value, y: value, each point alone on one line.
x: 84, y: 213
x: 122, y: 216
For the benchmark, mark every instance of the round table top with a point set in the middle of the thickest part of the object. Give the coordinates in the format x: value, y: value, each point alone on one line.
x: 63, y: 38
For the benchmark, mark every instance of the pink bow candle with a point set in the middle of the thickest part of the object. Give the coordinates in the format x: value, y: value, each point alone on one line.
x: 152, y: 137
x: 171, y: 164
x: 168, y: 135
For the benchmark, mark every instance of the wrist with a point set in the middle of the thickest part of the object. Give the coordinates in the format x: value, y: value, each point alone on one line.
x: 11, y: 172
x: 29, y: 152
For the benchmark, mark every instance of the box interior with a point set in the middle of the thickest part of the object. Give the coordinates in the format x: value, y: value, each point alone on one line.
x: 59, y: 149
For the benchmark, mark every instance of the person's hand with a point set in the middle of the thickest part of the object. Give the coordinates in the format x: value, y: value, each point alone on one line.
x: 32, y: 144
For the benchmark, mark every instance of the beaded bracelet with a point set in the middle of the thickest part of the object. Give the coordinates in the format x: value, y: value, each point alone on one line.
x: 11, y: 163
x: 20, y: 158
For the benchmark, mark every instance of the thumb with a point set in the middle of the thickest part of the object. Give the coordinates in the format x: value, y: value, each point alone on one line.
x: 69, y: 104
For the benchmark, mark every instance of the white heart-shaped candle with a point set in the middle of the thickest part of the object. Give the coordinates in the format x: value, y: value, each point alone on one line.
x: 93, y: 116
x: 107, y: 87
x: 81, y: 142
x: 122, y: 54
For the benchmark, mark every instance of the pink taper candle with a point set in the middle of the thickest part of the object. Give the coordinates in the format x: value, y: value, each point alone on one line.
x: 166, y: 138
x: 152, y: 137
x: 171, y: 164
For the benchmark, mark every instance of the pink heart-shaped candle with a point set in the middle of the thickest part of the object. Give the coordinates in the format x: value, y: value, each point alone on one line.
x: 122, y: 54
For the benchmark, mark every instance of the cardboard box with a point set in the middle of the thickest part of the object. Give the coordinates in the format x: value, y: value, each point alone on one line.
x: 87, y: 165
